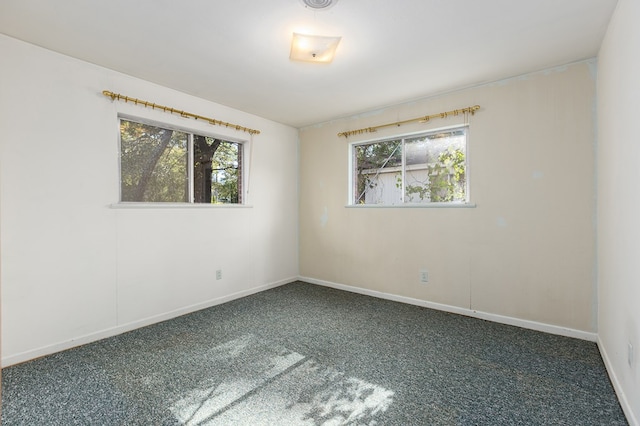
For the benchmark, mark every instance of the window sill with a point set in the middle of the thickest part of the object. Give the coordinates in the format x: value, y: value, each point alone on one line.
x: 177, y: 206
x: 414, y: 206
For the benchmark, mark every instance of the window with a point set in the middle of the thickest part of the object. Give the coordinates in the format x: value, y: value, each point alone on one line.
x: 172, y: 166
x: 418, y: 169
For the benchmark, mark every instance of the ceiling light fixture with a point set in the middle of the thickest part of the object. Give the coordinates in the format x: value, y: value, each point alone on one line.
x: 319, y: 4
x: 312, y: 48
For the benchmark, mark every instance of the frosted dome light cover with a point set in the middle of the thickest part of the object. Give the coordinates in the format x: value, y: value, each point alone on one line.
x: 312, y: 48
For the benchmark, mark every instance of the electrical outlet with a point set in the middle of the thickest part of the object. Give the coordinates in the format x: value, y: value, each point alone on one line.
x: 630, y: 354
x: 424, y: 276
x: 219, y: 274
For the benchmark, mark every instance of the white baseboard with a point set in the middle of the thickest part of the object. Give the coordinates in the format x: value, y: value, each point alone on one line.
x: 624, y: 402
x: 532, y: 325
x: 123, y: 328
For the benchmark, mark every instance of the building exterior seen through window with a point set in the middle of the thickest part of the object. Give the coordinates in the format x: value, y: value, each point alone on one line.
x: 418, y: 169
x: 172, y: 166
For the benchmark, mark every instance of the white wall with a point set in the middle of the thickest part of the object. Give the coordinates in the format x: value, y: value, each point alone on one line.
x: 619, y: 203
x: 73, y: 268
x: 525, y: 254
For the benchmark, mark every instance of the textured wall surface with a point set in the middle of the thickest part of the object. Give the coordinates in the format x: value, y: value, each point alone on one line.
x: 74, y: 268
x: 527, y: 250
x: 619, y: 204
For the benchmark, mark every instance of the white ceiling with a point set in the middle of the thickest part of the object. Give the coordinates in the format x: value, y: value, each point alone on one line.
x: 236, y: 52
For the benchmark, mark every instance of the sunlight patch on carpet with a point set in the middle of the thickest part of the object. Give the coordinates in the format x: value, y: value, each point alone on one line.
x: 267, y: 384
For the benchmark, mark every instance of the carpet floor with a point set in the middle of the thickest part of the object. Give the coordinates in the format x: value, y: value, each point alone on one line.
x: 301, y: 354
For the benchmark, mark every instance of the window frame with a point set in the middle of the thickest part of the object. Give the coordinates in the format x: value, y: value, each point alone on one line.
x: 467, y: 203
x: 243, y: 146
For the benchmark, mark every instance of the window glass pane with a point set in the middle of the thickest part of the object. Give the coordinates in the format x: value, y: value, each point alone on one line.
x: 153, y: 163
x: 436, y: 167
x: 378, y: 172
x: 217, y: 171
x: 226, y: 181
x: 427, y: 168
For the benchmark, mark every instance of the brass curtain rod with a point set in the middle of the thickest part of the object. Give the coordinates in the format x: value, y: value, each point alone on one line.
x: 119, y: 97
x: 469, y: 110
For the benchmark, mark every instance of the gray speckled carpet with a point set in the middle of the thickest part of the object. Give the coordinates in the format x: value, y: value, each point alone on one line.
x: 307, y: 355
